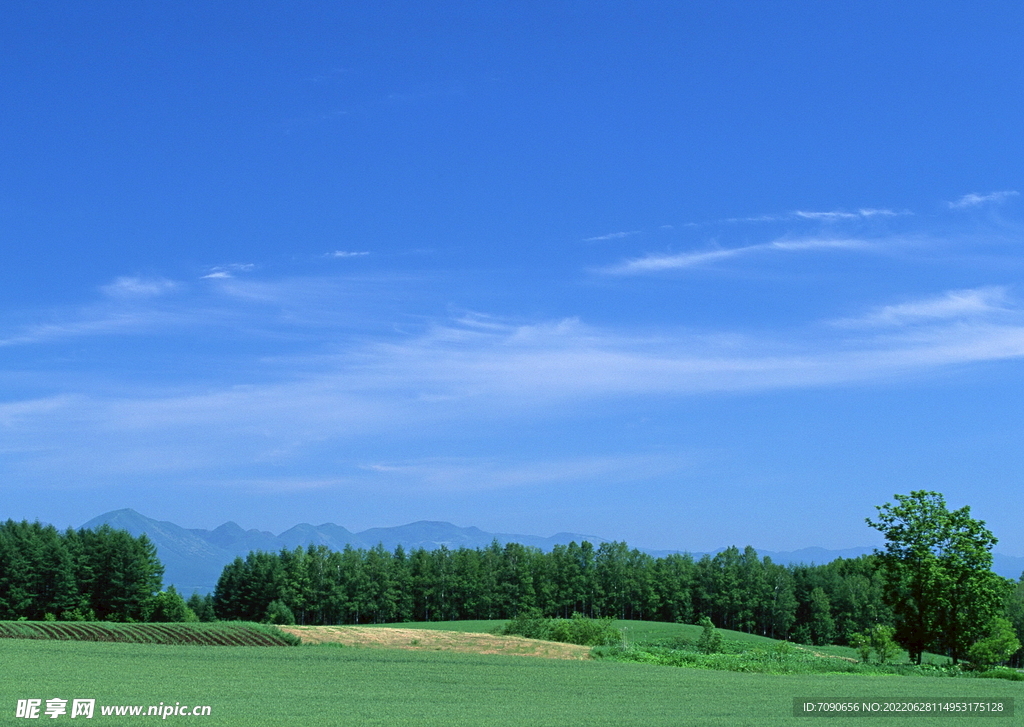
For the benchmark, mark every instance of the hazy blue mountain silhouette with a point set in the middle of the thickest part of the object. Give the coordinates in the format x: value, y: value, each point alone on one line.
x: 232, y: 538
x: 193, y: 559
x: 191, y: 563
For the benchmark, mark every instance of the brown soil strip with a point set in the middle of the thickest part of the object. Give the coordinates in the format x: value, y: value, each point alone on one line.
x: 382, y: 637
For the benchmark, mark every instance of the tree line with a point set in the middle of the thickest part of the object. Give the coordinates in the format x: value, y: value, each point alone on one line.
x: 931, y: 587
x: 736, y: 588
x: 101, y: 574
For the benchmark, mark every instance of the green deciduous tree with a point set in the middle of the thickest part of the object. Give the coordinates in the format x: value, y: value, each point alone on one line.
x: 999, y: 644
x: 862, y: 644
x: 822, y: 625
x: 169, y: 607
x: 938, y: 577
x: 880, y: 637
x: 1014, y: 611
x: 279, y: 613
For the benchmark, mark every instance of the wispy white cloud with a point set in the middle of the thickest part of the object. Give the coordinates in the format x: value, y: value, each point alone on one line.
x: 345, y: 253
x: 456, y: 375
x: 819, y: 243
x: 813, y: 216
x: 221, y: 272
x: 474, y: 474
x: 286, y: 484
x: 506, y: 365
x: 541, y: 365
x: 829, y: 216
x: 754, y: 218
x: 129, y: 306
x: 612, y: 236
x: 954, y: 304
x: 280, y: 308
x: 839, y: 215
x: 974, y: 200
x: 656, y: 262
x: 45, y: 332
x: 15, y: 412
x: 870, y: 212
x: 134, y: 287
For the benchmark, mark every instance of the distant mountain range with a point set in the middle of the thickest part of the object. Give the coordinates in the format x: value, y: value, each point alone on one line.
x: 193, y: 559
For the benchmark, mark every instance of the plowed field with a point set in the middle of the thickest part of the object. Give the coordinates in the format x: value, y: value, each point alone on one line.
x: 218, y: 634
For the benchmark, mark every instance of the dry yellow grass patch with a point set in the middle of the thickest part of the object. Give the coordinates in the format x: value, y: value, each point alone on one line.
x: 431, y: 640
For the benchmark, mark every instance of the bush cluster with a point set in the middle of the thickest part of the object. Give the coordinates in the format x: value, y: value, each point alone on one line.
x: 781, y: 657
x: 576, y: 630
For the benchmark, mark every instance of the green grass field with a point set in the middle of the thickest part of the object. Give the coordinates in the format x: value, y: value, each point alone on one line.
x: 311, y: 686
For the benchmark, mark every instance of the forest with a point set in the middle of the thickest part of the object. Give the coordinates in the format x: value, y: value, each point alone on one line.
x: 812, y: 604
x: 107, y: 574
x: 932, y: 587
x: 77, y: 575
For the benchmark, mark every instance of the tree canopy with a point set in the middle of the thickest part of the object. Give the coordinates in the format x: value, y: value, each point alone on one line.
x: 78, y: 574
x: 938, y: 577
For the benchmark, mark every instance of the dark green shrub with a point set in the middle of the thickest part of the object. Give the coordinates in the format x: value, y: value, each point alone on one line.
x: 279, y: 613
x: 584, y: 631
x: 997, y: 647
x: 576, y: 630
x: 530, y: 625
x: 710, y: 641
x: 78, y: 614
x: 1009, y: 674
x: 168, y: 607
x: 862, y: 643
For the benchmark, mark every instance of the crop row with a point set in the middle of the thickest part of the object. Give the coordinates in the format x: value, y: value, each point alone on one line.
x: 226, y: 634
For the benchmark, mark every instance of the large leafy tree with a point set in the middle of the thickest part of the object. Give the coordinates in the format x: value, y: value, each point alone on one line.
x: 938, y: 577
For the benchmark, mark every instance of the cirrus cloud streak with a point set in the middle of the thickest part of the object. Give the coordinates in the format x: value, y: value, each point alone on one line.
x: 660, y: 262
x: 458, y: 375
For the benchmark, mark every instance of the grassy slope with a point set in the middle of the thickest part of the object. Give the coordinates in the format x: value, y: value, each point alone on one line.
x: 312, y: 686
x: 641, y: 631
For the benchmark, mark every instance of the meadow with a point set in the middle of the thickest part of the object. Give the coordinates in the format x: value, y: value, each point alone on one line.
x: 310, y: 686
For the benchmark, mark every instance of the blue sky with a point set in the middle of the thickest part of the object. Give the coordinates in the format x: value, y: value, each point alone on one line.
x: 680, y: 274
